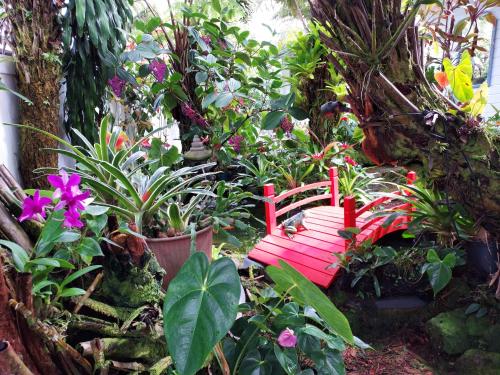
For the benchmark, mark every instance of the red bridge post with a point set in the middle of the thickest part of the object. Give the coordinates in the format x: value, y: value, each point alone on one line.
x: 334, y: 188
x: 270, y: 208
x: 350, y: 217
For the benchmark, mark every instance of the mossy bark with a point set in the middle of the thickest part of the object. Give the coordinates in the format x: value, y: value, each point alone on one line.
x: 36, y: 45
x: 379, y: 55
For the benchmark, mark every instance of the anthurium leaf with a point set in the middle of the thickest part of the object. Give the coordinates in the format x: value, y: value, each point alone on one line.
x: 479, y: 101
x: 460, y: 77
x: 199, y: 309
x: 287, y: 359
x: 305, y: 293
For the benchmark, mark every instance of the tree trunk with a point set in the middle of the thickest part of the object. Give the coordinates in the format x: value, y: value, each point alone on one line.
x: 404, y: 118
x: 36, y: 41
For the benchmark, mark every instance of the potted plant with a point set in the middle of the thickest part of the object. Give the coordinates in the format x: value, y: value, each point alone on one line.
x: 154, y: 201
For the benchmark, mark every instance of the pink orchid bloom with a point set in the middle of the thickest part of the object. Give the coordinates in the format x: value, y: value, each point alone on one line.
x: 34, y: 208
x: 68, y: 191
x: 72, y: 219
x: 287, y: 338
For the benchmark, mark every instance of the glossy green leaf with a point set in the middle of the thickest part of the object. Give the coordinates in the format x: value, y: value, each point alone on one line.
x: 288, y: 360
x: 272, y: 119
x: 305, y: 293
x: 81, y: 6
x: 199, y: 309
x: 89, y: 247
x: 19, y: 255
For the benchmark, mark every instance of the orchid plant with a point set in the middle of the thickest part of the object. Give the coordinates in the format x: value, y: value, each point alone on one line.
x: 65, y: 242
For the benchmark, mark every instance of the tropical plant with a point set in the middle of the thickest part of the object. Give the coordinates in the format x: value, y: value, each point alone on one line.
x: 206, y: 296
x: 439, y: 270
x: 355, y: 181
x: 94, y: 36
x: 62, y: 246
x: 35, y: 38
x: 433, y: 212
x: 403, y: 117
x: 115, y: 171
x: 257, y: 173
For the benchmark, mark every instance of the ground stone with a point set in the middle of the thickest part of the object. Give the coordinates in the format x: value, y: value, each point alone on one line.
x: 477, y: 327
x: 492, y: 339
x: 448, y: 332
x: 475, y: 361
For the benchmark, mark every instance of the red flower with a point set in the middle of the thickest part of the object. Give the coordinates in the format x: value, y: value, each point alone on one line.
x: 122, y: 138
x: 145, y: 143
x: 442, y: 79
x: 349, y: 160
x: 318, y: 156
x: 146, y: 196
x: 345, y: 146
x: 344, y: 119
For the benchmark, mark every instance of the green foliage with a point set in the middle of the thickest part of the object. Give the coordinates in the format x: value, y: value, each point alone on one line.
x: 94, y: 35
x: 460, y: 77
x: 254, y: 345
x: 200, y: 308
x: 439, y: 270
x: 356, y: 182
x: 116, y: 174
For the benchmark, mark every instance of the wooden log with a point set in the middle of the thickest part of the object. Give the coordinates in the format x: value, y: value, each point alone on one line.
x: 11, y: 182
x: 89, y: 291
x: 13, y: 231
x: 10, y: 363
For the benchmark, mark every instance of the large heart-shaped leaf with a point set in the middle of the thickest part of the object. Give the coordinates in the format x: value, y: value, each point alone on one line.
x: 200, y: 308
x: 306, y: 293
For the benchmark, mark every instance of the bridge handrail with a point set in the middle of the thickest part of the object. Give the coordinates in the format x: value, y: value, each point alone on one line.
x: 270, y: 205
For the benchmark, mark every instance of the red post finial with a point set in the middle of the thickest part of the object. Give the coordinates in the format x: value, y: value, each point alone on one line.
x: 334, y: 187
x: 270, y: 208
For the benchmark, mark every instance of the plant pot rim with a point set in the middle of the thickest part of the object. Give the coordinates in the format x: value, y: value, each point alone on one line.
x: 175, y: 238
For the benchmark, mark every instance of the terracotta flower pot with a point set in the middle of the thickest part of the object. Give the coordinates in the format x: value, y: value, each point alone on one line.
x: 172, y: 252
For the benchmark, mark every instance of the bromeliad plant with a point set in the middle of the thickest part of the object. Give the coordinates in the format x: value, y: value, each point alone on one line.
x: 117, y: 171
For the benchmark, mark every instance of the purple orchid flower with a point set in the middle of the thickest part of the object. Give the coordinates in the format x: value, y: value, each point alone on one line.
x: 287, y: 338
x: 68, y: 191
x: 34, y: 208
x: 158, y: 68
x: 72, y: 219
x: 117, y: 84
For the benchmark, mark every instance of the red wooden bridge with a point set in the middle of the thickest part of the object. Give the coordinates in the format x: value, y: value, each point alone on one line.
x: 312, y: 250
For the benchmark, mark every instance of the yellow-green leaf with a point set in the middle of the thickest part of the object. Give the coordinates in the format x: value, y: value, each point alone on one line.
x: 460, y: 77
x: 479, y: 101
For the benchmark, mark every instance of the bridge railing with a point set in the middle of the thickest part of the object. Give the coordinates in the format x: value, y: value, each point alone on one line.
x: 351, y: 213
x: 270, y: 205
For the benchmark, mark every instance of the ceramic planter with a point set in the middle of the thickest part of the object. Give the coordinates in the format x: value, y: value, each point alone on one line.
x: 172, y: 252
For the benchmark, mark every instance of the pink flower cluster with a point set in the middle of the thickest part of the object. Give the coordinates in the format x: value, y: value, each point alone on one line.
x: 158, y: 68
x: 350, y: 161
x: 235, y: 141
x: 117, y: 85
x: 194, y: 116
x: 286, y: 125
x: 68, y: 196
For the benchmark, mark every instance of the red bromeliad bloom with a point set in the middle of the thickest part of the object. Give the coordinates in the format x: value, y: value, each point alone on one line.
x: 345, y: 146
x: 120, y: 141
x: 318, y: 156
x: 350, y: 161
x: 344, y: 118
x: 146, y: 196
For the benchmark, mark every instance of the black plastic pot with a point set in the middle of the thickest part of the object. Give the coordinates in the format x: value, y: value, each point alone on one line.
x: 482, y: 257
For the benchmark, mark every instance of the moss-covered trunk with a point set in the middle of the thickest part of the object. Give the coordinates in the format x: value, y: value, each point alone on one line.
x: 404, y: 118
x: 36, y: 43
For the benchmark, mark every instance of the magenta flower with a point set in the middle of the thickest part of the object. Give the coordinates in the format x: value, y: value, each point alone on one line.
x: 158, y: 68
x: 350, y: 161
x: 34, y: 208
x: 117, y: 84
x: 194, y: 116
x: 235, y: 141
x: 287, y: 125
x: 70, y: 196
x: 287, y: 338
x: 72, y: 219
